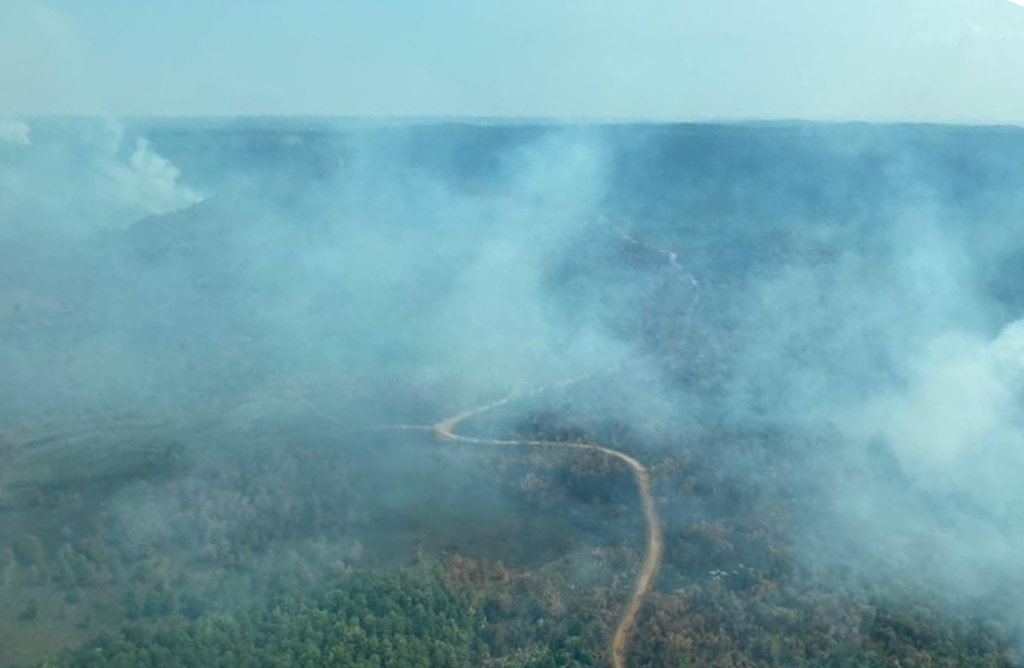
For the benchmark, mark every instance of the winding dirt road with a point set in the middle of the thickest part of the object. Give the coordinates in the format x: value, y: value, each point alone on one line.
x: 445, y: 430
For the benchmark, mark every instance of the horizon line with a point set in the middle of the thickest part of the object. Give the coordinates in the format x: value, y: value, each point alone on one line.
x: 506, y: 120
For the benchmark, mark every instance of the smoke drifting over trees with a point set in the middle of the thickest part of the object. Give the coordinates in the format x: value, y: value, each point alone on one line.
x: 810, y: 334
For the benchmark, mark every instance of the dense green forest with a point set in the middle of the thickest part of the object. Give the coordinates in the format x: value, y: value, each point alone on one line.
x: 466, y: 614
x: 404, y: 619
x: 522, y: 558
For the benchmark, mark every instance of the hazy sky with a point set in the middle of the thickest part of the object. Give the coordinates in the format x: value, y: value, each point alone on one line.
x: 606, y: 59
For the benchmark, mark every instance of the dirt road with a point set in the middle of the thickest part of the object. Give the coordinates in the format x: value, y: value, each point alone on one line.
x: 445, y: 430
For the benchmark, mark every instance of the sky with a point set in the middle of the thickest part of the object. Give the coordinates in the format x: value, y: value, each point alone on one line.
x: 684, y: 60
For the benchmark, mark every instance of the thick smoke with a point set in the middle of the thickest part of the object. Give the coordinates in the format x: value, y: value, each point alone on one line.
x: 961, y: 411
x: 377, y: 275
x: 896, y: 338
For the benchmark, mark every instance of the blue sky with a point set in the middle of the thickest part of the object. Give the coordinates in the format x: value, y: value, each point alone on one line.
x: 577, y: 59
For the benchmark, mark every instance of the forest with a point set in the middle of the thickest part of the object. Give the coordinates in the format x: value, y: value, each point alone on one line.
x: 219, y: 423
x: 255, y: 569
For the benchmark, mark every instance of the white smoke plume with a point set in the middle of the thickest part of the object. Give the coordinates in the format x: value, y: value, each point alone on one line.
x: 14, y: 133
x: 72, y: 179
x: 959, y: 423
x: 149, y: 181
